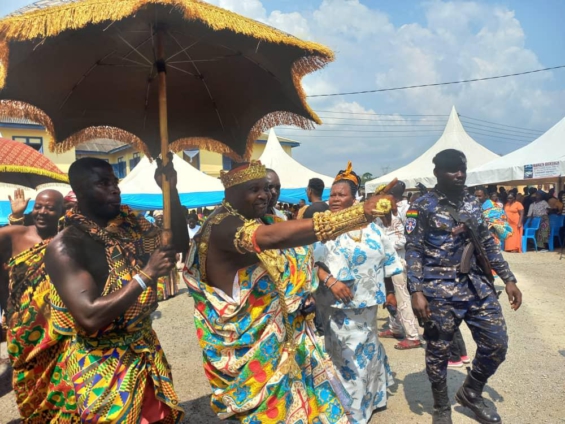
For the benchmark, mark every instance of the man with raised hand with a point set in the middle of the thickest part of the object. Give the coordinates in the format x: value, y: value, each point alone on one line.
x: 35, y: 349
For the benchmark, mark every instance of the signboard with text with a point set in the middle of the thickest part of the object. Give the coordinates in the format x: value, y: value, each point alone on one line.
x: 541, y: 170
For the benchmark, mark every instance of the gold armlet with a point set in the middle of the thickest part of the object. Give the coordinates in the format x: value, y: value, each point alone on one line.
x: 244, y: 240
x: 15, y: 221
x: 329, y: 226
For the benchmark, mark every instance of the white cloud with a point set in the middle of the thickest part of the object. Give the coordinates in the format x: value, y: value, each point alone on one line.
x: 293, y: 23
x: 457, y: 40
x: 351, y: 19
x: 251, y: 8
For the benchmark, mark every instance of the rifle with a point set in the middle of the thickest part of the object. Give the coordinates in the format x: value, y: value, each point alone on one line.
x: 475, y: 247
x: 421, y: 188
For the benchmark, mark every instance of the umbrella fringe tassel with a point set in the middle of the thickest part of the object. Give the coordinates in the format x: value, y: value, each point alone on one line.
x: 51, y: 21
x: 94, y: 133
x: 14, y: 109
x: 30, y: 170
x: 208, y: 144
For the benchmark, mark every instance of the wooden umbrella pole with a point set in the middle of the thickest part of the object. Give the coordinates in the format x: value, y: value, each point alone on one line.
x: 164, y: 131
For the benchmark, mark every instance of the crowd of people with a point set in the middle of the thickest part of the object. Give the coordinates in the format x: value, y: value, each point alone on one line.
x: 285, y: 304
x: 508, y: 212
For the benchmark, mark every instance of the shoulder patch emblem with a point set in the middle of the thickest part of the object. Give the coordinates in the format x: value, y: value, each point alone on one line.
x: 411, y: 224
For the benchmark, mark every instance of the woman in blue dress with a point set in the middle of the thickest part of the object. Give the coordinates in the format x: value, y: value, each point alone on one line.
x: 358, y: 263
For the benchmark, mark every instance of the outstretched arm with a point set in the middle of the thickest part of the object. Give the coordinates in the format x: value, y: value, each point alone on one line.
x: 81, y: 294
x: 234, y: 235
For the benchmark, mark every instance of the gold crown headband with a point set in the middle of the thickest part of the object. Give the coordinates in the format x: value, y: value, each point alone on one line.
x: 254, y: 171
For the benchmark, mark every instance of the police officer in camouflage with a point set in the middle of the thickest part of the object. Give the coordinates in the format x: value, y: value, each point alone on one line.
x: 442, y: 296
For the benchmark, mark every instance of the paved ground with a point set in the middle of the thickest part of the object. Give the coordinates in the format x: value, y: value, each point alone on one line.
x: 529, y: 387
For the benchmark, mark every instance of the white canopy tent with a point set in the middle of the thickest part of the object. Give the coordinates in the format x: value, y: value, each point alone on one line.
x: 196, y: 189
x: 293, y: 175
x: 62, y: 188
x: 421, y: 170
x: 541, y: 161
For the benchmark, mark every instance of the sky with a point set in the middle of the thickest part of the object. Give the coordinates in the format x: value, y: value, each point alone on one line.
x: 383, y: 44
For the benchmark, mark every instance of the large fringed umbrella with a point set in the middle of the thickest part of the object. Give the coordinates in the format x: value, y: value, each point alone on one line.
x: 24, y: 166
x: 146, y: 71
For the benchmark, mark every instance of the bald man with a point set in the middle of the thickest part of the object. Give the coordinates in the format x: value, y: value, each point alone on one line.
x: 42, y: 394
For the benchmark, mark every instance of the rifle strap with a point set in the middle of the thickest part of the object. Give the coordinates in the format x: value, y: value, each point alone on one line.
x: 455, y: 215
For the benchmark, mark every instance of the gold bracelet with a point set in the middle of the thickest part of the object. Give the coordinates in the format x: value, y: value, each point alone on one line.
x: 329, y: 226
x: 15, y: 221
x: 151, y: 280
x: 244, y: 240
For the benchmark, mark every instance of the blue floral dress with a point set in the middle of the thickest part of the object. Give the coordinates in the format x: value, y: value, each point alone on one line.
x: 360, y: 259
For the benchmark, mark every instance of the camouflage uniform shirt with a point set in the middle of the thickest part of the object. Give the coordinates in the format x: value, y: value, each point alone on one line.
x: 433, y: 253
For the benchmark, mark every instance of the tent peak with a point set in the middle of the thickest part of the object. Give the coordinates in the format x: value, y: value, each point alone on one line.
x: 273, y: 143
x: 453, y: 123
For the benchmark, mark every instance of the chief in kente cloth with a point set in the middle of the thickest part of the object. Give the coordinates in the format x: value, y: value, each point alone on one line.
x: 252, y: 287
x: 449, y: 284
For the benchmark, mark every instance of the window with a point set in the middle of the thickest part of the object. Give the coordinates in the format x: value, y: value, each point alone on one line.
x: 120, y: 159
x: 35, y: 142
x: 192, y: 157
x: 227, y: 163
x: 120, y: 169
x: 134, y: 161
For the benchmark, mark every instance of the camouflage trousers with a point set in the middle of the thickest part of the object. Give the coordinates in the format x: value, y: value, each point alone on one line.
x: 484, y: 319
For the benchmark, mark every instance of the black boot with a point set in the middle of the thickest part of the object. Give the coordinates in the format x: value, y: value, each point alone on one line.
x: 470, y: 395
x: 442, y: 406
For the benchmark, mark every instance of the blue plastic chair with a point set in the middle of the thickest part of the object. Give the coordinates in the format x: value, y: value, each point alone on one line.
x: 555, y: 224
x: 530, y: 229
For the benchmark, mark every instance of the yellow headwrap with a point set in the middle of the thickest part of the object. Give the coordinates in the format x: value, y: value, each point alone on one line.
x: 348, y: 174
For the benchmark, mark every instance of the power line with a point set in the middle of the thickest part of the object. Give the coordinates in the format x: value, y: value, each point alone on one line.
x: 406, y: 124
x: 437, y: 84
x: 518, y: 133
x: 365, y: 131
x: 366, y: 137
x: 387, y: 136
x: 523, y: 142
x: 410, y: 120
x: 496, y: 130
x: 369, y: 113
x: 529, y: 137
x: 381, y: 120
x: 502, y: 125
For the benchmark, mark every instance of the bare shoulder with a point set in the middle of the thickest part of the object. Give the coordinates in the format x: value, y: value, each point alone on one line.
x: 223, y: 231
x: 13, y: 230
x: 67, y: 244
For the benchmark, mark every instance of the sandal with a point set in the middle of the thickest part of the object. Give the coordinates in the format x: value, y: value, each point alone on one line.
x: 408, y: 344
x: 389, y: 334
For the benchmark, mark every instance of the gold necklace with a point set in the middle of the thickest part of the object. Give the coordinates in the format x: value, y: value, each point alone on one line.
x: 231, y: 210
x: 354, y: 238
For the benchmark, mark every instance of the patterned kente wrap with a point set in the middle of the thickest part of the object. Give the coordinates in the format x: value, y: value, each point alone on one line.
x: 43, y: 393
x: 242, y: 343
x: 112, y: 369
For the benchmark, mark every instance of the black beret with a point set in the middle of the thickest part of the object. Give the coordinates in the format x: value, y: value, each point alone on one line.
x: 450, y: 159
